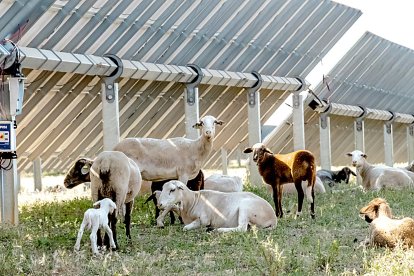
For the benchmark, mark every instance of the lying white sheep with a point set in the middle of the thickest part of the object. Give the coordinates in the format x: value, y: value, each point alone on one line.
x: 93, y: 220
x: 378, y: 177
x: 289, y: 188
x: 223, y: 212
x: 113, y: 175
x: 223, y: 183
x: 384, y: 230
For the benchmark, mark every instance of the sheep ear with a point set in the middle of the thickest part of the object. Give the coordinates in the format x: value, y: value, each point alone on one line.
x: 364, y: 155
x: 268, y: 150
x: 97, y: 204
x: 349, y: 154
x: 219, y: 122
x: 248, y: 150
x: 198, y: 125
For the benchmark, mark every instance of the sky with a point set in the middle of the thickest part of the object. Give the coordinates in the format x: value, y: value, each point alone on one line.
x: 390, y: 19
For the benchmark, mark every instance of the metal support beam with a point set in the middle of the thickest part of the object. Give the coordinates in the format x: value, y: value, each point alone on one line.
x: 410, y: 142
x: 255, y: 132
x: 388, y: 141
x: 298, y: 117
x: 191, y: 104
x: 110, y: 108
x: 224, y: 160
x: 325, y: 140
x: 37, y: 174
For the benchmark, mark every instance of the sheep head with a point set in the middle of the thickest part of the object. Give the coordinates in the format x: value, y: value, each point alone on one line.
x: 78, y: 173
x: 358, y: 158
x: 259, y: 152
x: 374, y: 208
x: 171, y: 194
x: 207, y: 126
x: 106, y: 204
x: 343, y: 175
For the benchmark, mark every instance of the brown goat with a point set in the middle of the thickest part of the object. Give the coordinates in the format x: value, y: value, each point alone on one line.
x: 279, y: 169
x: 384, y: 230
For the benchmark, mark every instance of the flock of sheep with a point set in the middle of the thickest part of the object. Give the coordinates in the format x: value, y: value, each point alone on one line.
x: 218, y: 202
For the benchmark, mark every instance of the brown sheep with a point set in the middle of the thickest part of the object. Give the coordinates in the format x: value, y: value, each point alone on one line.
x: 279, y: 169
x: 384, y: 230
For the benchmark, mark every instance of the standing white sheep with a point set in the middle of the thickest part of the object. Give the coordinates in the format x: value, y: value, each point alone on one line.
x: 378, y: 177
x: 93, y: 220
x: 112, y: 175
x: 174, y: 158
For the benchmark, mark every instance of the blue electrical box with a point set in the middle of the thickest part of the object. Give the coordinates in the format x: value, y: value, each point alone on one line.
x: 7, y: 137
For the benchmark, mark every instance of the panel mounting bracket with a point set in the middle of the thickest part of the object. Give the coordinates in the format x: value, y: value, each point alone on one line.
x: 251, y: 92
x: 111, y: 79
x: 193, y: 84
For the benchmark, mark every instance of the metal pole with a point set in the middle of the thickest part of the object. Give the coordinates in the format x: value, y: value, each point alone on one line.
x: 191, y: 104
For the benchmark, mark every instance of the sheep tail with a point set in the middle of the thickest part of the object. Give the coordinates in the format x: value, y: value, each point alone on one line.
x: 105, y: 171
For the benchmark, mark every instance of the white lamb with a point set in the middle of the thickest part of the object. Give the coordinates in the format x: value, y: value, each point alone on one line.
x: 174, y: 158
x: 223, y: 183
x: 378, y: 177
x: 95, y: 219
x: 223, y: 212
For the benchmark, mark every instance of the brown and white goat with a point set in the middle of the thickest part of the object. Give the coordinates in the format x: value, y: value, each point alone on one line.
x: 279, y: 169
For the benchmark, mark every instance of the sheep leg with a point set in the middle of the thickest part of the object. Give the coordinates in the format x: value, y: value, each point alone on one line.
x: 172, y: 217
x: 301, y: 195
x: 93, y: 237
x: 80, y: 234
x: 243, y: 223
x: 160, y: 219
x: 108, y: 231
x: 127, y: 220
x: 112, y: 223
x: 193, y: 225
x: 276, y: 200
x: 312, y: 209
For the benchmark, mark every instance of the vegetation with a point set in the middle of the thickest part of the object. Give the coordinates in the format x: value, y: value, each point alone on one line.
x: 42, y: 244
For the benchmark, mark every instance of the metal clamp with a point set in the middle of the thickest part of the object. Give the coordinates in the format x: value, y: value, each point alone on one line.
x: 111, y: 79
x: 302, y: 84
x: 194, y: 83
x: 251, y: 92
x: 324, y: 116
x: 361, y: 118
x: 388, y: 124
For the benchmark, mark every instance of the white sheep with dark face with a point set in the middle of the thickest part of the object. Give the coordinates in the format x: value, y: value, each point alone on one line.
x: 378, y: 177
x: 95, y: 219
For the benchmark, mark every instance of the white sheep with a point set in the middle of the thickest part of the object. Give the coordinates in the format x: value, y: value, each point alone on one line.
x: 290, y: 188
x: 223, y: 212
x: 113, y: 175
x: 93, y: 220
x: 174, y: 158
x: 223, y: 183
x: 378, y: 177
x: 384, y: 230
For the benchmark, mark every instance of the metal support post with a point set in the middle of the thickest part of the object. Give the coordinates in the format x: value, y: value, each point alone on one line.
x: 388, y: 141
x: 37, y: 174
x: 110, y: 107
x: 410, y: 142
x: 325, y: 139
x: 224, y: 160
x: 255, y: 132
x: 359, y: 130
x: 298, y: 118
x: 191, y: 104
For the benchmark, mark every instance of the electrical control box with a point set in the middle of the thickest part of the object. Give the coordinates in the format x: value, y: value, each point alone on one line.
x: 7, y: 137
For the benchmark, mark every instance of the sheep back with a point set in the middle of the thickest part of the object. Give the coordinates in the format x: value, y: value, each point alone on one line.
x: 169, y: 156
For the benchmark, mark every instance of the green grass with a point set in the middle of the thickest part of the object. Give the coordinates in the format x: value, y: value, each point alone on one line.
x: 42, y: 244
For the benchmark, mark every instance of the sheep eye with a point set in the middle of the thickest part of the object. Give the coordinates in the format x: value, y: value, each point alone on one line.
x: 172, y: 190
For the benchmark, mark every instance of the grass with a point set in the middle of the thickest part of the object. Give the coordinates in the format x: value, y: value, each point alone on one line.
x: 42, y: 244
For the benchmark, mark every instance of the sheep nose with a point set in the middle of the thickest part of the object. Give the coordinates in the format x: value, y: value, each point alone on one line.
x: 160, y: 205
x: 354, y: 163
x: 208, y: 132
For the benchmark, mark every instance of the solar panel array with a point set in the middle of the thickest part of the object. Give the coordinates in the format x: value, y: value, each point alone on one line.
x: 61, y: 117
